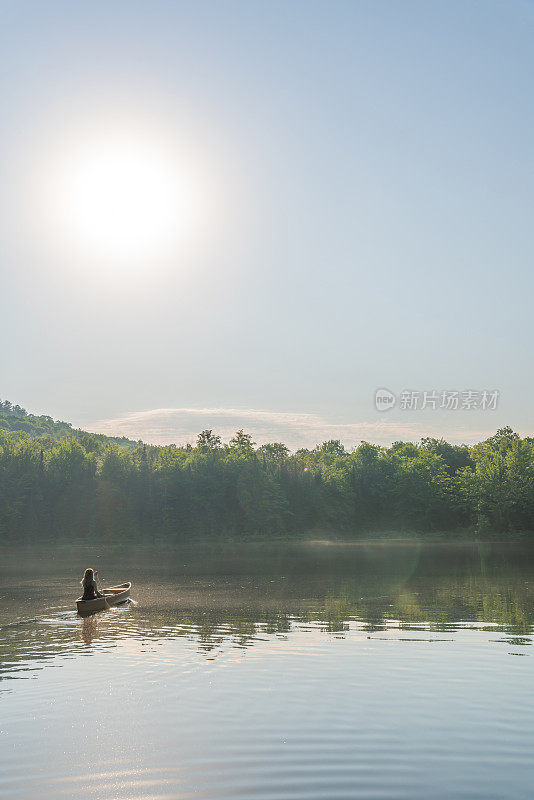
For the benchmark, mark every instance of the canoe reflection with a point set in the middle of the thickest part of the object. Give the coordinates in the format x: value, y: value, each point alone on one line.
x: 89, y: 628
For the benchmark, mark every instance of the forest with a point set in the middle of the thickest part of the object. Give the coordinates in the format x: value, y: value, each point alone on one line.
x: 56, y: 482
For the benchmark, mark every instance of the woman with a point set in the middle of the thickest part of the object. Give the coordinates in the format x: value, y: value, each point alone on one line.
x: 90, y: 589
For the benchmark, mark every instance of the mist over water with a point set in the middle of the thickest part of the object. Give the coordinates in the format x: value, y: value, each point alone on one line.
x: 269, y: 671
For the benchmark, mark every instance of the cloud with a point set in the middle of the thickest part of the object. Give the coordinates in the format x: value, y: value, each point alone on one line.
x: 181, y: 425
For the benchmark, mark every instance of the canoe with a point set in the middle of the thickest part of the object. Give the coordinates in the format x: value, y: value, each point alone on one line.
x: 112, y: 597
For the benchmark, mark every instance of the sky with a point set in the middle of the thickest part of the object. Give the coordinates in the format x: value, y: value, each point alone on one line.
x: 317, y: 200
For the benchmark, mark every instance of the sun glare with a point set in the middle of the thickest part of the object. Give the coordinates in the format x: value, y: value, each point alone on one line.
x: 122, y: 202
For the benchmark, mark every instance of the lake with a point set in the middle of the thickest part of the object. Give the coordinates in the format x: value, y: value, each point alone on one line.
x: 313, y: 671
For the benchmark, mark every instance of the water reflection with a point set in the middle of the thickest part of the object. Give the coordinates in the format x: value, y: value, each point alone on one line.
x: 89, y: 628
x: 238, y: 596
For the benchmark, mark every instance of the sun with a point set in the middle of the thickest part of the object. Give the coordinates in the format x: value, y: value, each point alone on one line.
x: 122, y: 201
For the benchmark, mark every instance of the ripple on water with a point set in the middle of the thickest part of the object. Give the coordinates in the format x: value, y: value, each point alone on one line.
x: 224, y: 688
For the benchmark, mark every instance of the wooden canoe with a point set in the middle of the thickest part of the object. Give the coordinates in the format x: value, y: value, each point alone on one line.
x: 112, y: 597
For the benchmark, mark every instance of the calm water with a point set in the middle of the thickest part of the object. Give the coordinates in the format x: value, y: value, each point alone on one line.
x: 274, y: 672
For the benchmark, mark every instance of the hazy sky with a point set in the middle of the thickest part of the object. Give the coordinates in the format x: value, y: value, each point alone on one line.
x: 356, y: 197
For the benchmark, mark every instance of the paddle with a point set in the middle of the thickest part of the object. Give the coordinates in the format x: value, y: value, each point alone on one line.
x: 101, y: 588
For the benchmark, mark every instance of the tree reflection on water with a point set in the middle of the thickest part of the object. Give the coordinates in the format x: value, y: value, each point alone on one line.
x: 238, y: 596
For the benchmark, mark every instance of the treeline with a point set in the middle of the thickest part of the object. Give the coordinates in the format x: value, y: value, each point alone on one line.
x: 87, y: 485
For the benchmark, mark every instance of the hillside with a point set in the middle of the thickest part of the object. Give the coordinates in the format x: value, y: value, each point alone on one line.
x: 14, y: 418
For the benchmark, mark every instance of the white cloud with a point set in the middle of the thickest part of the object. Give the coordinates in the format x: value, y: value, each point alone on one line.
x: 180, y: 425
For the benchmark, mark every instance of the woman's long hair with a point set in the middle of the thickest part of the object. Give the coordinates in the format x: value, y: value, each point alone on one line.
x: 88, y: 578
